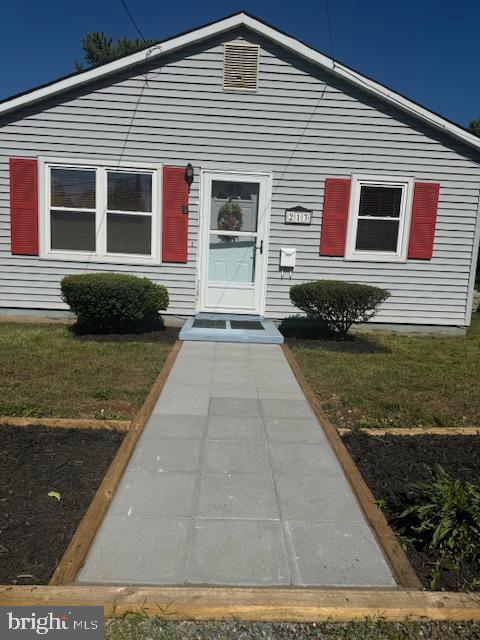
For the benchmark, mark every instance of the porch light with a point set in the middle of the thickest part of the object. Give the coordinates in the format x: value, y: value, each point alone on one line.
x: 189, y: 175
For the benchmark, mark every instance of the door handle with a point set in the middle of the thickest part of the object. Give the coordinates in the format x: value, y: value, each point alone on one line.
x: 260, y: 248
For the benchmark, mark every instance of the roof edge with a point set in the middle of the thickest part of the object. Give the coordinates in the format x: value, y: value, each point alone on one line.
x: 259, y: 26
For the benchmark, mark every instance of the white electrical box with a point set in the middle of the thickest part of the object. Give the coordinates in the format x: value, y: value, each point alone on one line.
x: 288, y: 256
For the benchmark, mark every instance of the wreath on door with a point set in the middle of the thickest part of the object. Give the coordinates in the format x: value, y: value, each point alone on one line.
x: 230, y: 218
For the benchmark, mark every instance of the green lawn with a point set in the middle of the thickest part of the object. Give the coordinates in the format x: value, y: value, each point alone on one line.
x: 396, y: 380
x: 136, y: 628
x: 46, y: 371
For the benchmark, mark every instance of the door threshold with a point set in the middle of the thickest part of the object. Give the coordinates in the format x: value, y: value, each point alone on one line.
x: 221, y: 327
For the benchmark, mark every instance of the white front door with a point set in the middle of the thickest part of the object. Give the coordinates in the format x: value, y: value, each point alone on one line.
x: 235, y: 217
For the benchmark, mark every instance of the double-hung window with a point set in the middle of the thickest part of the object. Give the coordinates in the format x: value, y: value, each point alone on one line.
x: 379, y: 218
x: 104, y: 213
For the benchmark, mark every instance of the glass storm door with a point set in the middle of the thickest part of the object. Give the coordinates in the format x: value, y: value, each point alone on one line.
x: 235, y: 214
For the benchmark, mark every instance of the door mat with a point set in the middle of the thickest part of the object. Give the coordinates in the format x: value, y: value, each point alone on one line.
x: 249, y: 325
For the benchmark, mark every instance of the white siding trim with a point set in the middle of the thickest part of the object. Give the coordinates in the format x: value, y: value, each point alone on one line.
x: 473, y: 269
x: 226, y: 24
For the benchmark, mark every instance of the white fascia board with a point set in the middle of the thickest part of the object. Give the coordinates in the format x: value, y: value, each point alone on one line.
x: 357, y: 79
x: 288, y: 42
x: 104, y: 70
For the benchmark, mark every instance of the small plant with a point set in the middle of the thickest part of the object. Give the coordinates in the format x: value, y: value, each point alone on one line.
x: 338, y: 304
x: 114, y: 302
x: 446, y: 520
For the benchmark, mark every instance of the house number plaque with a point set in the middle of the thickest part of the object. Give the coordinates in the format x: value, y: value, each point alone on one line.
x: 298, y: 215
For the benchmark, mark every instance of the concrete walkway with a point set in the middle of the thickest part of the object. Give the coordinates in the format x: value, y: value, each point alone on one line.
x: 234, y: 483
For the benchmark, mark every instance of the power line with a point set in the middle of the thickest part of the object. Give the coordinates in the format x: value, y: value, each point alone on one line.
x: 124, y: 5
x: 330, y: 32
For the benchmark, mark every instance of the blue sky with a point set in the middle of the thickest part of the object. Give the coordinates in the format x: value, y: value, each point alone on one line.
x: 425, y: 49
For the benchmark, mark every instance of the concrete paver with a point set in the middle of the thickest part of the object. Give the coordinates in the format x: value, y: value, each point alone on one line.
x: 242, y: 457
x: 300, y: 499
x: 130, y: 547
x: 149, y: 493
x: 235, y: 428
x: 233, y: 482
x: 347, y: 557
x: 167, y: 454
x: 293, y: 430
x: 238, y: 552
x: 237, y: 495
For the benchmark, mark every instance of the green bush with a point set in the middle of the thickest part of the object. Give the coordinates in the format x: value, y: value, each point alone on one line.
x: 446, y: 520
x: 114, y: 302
x: 338, y: 304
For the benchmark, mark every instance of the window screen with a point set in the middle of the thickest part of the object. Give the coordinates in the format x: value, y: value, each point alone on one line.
x: 129, y: 198
x: 72, y: 209
x: 378, y: 218
x: 129, y: 191
x: 73, y: 188
x: 380, y: 201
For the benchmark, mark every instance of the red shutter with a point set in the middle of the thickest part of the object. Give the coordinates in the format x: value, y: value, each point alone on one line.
x: 175, y: 219
x: 24, y: 206
x: 336, y: 201
x: 424, y: 216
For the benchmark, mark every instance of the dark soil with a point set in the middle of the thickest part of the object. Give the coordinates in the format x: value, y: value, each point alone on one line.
x: 305, y: 333
x: 390, y: 464
x: 167, y: 334
x: 35, y: 528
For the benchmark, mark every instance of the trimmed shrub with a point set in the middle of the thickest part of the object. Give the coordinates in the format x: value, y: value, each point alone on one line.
x: 114, y: 302
x: 338, y: 304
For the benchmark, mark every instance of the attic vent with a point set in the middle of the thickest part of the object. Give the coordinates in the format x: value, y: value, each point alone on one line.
x: 240, y: 66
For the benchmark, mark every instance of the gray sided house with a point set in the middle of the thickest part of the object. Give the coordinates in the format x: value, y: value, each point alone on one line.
x: 301, y: 169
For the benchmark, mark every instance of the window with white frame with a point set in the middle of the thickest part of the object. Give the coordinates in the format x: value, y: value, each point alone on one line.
x: 105, y: 213
x: 379, y: 218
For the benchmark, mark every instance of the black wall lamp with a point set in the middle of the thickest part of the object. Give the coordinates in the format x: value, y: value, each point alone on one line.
x: 189, y: 175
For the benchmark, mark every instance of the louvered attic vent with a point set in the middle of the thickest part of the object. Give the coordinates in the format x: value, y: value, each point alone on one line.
x: 240, y: 66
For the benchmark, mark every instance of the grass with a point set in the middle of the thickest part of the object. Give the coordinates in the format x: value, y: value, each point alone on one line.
x: 380, y: 380
x: 138, y: 628
x: 46, y: 371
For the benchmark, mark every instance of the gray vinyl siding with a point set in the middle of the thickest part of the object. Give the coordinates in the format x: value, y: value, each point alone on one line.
x: 301, y: 125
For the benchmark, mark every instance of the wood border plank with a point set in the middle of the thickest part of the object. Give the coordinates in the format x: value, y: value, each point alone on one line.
x: 66, y: 423
x: 74, y: 557
x: 386, y: 538
x: 414, y: 431
x: 259, y: 604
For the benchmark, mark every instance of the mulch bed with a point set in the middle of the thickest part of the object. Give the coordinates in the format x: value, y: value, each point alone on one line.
x: 35, y: 528
x: 390, y: 464
x: 167, y: 334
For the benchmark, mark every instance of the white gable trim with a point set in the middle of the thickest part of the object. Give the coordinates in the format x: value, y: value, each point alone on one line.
x: 237, y: 20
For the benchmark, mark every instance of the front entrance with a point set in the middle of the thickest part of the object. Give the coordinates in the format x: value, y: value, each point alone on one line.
x: 235, y: 217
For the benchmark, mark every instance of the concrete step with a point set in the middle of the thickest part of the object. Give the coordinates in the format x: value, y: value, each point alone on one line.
x: 220, y: 327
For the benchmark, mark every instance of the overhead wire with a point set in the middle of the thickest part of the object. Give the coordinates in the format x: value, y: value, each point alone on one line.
x: 132, y: 19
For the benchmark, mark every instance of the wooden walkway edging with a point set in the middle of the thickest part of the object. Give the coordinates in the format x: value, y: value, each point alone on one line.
x: 76, y: 552
x: 413, y: 431
x: 259, y: 604
x: 66, y: 423
x: 292, y: 604
x: 386, y: 538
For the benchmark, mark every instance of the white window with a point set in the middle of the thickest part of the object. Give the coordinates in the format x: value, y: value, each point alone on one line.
x: 102, y: 213
x: 379, y: 218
